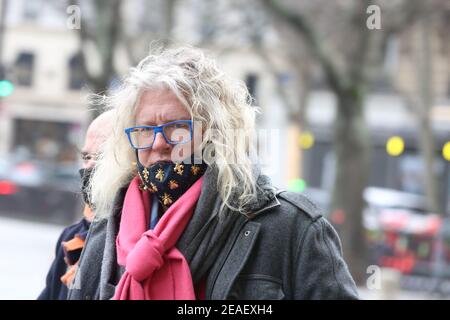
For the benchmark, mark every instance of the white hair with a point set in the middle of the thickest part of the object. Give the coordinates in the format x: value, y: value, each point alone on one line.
x: 220, y: 103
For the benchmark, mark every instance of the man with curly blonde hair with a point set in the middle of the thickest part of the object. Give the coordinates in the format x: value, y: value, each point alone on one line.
x: 182, y: 208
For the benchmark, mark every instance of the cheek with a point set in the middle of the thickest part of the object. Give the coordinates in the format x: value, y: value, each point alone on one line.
x: 196, y: 138
x: 196, y: 143
x: 180, y: 152
x: 144, y: 156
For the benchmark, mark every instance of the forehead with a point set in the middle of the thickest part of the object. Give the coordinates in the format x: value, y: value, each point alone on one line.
x: 159, y: 106
x: 98, y: 131
x: 93, y: 141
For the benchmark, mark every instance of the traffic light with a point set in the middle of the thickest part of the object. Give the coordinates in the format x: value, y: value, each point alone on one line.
x: 6, y: 88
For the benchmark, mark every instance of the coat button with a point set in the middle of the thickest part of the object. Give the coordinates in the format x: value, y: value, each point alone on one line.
x: 247, y: 233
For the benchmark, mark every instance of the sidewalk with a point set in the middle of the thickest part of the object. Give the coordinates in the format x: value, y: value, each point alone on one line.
x: 365, y: 294
x: 26, y: 252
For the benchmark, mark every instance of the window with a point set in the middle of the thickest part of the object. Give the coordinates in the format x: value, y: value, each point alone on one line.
x: 31, y: 10
x: 47, y: 140
x: 23, y: 69
x: 76, y: 76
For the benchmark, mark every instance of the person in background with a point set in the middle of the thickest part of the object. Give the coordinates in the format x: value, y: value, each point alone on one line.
x: 71, y: 241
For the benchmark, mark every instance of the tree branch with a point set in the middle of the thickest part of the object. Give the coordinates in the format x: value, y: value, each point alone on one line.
x: 357, y: 74
x: 337, y: 81
x: 405, y: 16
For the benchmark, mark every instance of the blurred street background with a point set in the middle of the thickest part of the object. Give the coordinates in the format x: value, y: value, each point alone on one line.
x: 354, y: 96
x: 26, y: 260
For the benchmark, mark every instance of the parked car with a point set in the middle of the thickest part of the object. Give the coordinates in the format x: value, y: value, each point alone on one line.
x: 403, y: 234
x: 39, y: 191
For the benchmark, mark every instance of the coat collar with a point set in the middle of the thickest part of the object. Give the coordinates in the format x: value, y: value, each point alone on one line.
x: 266, y: 193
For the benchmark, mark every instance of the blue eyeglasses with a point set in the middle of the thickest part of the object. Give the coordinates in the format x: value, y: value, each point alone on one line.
x: 175, y: 132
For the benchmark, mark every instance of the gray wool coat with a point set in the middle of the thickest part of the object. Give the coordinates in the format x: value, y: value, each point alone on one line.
x: 282, y: 249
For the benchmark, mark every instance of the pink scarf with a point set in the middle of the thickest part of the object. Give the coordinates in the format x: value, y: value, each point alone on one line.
x: 155, y: 268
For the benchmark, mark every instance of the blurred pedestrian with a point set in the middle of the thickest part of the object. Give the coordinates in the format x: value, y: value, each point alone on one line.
x: 182, y: 208
x: 71, y: 241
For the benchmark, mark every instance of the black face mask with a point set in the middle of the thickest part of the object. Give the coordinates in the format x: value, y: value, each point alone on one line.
x: 169, y: 180
x: 85, y: 175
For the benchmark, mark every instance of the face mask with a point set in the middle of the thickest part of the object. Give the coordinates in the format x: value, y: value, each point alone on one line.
x: 169, y: 180
x: 85, y: 175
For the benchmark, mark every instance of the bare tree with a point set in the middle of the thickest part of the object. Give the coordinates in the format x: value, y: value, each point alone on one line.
x: 420, y: 96
x: 340, y: 42
x: 99, y: 34
x: 247, y: 30
x: 107, y: 28
x: 152, y: 20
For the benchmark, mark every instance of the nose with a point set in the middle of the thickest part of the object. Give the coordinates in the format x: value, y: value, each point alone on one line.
x: 160, y: 144
x: 159, y: 150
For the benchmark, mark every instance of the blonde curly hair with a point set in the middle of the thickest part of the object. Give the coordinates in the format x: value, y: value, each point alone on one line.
x: 220, y: 103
